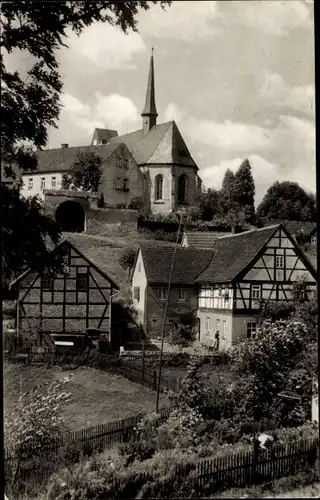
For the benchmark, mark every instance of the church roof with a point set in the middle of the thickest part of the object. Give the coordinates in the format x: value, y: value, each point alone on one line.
x: 150, y: 104
x: 104, y: 134
x: 61, y: 159
x: 163, y: 144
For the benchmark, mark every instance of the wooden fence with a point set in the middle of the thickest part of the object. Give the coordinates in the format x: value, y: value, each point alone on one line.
x: 212, y: 475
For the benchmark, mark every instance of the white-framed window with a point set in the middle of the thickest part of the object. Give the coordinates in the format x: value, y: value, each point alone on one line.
x: 118, y: 183
x: 251, y: 328
x: 53, y: 182
x: 181, y: 295
x: 30, y: 183
x: 218, y: 325
x: 206, y: 297
x: 162, y: 293
x: 256, y: 292
x: 224, y: 329
x: 279, y: 261
x: 125, y: 184
x: 42, y: 183
x: 208, y: 324
x: 136, y: 293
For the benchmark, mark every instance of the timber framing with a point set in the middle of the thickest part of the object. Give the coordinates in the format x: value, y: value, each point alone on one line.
x: 68, y: 302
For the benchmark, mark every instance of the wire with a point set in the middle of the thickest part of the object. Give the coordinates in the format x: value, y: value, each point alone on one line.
x: 166, y: 311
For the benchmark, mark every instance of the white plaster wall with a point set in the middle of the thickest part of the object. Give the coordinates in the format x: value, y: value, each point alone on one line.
x: 139, y: 280
x: 36, y: 189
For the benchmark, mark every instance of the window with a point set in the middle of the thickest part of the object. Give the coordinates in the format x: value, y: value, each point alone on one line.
x: 53, y: 182
x: 47, y: 282
x: 224, y: 330
x: 208, y: 323
x: 126, y: 184
x: 251, y: 329
x: 30, y: 183
x: 206, y: 297
x: 158, y: 194
x: 82, y: 282
x: 256, y: 292
x: 126, y: 163
x: 182, y: 184
x: 181, y: 294
x: 218, y: 325
x: 136, y: 293
x: 119, y: 162
x: 42, y: 183
x: 279, y: 261
x: 162, y: 293
x: 139, y: 267
x: 118, y: 183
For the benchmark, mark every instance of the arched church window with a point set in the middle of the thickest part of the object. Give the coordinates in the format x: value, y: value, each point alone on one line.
x: 182, y: 186
x: 159, y: 187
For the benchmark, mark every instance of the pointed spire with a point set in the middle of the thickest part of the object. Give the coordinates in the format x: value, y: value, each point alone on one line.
x: 149, y: 114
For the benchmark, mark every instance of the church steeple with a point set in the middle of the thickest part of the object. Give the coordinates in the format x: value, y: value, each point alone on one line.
x: 149, y: 114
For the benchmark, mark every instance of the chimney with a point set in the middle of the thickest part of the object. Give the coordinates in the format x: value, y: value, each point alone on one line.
x: 64, y: 145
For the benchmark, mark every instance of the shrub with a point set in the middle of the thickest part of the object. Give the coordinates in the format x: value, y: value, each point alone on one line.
x: 136, y: 204
x: 127, y: 258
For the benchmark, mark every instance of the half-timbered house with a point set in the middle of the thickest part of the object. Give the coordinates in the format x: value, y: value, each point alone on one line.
x: 65, y: 303
x: 231, y: 280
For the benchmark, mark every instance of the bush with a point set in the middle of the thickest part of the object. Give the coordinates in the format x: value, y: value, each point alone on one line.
x: 136, y: 204
x: 127, y: 258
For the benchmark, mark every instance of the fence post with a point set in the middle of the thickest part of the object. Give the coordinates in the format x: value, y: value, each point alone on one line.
x: 154, y: 380
x: 255, y: 456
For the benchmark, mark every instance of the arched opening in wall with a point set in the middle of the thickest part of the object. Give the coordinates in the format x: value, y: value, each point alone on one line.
x: 182, y: 188
x: 158, y: 194
x: 71, y: 216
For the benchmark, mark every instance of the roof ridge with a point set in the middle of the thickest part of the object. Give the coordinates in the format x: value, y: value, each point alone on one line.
x: 249, y: 231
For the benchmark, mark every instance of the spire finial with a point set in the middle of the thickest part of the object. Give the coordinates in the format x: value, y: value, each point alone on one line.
x: 149, y: 113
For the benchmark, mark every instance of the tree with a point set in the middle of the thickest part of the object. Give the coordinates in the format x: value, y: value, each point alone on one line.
x: 287, y: 200
x: 207, y: 202
x: 85, y: 173
x: 226, y: 193
x: 244, y: 190
x: 29, y: 106
x: 127, y: 259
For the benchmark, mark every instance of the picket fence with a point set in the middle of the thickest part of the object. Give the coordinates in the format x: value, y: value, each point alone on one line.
x: 211, y: 475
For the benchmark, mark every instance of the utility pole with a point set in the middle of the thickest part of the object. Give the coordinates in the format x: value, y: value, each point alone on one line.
x: 166, y: 312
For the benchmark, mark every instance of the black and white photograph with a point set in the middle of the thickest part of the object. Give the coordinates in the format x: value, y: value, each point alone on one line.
x: 159, y: 256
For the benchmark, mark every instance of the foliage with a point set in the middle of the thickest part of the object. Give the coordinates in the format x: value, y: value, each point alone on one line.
x: 208, y: 203
x: 30, y: 104
x: 263, y: 365
x: 37, y: 420
x: 101, y: 202
x: 183, y: 329
x: 287, y: 200
x: 136, y: 204
x: 244, y: 191
x: 127, y: 258
x: 85, y: 173
x: 23, y: 220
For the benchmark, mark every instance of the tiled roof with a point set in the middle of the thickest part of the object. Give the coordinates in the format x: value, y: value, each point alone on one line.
x: 202, y: 239
x: 61, y: 159
x: 188, y: 264
x: 104, y: 134
x: 163, y: 144
x: 233, y: 253
x: 293, y: 226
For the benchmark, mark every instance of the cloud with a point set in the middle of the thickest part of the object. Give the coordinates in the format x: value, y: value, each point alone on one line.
x: 183, y: 20
x: 277, y: 18
x: 113, y: 111
x: 276, y: 92
x: 105, y: 46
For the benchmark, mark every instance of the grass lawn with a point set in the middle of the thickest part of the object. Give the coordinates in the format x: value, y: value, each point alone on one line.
x: 97, y: 397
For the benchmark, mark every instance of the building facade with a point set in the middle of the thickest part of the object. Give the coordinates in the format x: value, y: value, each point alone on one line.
x: 152, y: 165
x: 224, y: 286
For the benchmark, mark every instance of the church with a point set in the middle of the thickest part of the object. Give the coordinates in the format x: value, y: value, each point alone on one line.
x: 152, y: 164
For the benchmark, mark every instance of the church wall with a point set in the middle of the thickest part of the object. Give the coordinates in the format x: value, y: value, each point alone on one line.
x: 191, y: 188
x: 165, y: 205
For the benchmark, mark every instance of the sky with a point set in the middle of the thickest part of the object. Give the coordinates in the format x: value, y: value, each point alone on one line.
x: 236, y: 76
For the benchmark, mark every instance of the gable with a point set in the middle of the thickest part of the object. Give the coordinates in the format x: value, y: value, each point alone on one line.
x: 293, y: 264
